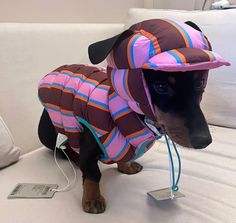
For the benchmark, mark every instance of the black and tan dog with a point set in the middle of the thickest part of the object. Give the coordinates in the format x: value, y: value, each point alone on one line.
x: 176, y: 97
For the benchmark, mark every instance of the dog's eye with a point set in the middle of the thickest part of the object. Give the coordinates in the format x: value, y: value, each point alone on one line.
x: 161, y: 87
x: 199, y: 84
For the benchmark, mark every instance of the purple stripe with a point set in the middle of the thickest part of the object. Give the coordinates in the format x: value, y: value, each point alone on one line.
x: 139, y: 138
x: 131, y: 51
x: 119, y: 83
x: 141, y: 51
x: 68, y: 122
x: 116, y: 145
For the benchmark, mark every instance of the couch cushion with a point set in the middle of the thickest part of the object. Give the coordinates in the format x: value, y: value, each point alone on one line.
x: 30, y: 51
x: 219, y: 101
x: 9, y: 153
x: 208, y: 181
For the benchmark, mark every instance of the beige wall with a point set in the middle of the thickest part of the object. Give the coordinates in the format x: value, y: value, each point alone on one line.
x: 91, y: 11
x: 182, y: 4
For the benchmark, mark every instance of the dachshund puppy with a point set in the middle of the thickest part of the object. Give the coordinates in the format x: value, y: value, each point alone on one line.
x: 157, y: 69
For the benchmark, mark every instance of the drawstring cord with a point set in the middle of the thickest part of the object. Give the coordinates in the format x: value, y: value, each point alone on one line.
x: 174, y: 184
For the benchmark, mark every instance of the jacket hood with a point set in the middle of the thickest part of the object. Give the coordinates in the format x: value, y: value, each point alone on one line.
x: 158, y: 44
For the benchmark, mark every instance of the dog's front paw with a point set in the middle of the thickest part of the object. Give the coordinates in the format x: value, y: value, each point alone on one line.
x: 96, y: 206
x: 92, y: 202
x: 129, y: 168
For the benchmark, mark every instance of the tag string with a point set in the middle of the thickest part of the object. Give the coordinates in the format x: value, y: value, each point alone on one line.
x: 174, y: 184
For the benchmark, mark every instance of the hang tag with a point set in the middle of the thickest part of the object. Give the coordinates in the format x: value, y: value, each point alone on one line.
x: 33, y: 191
x: 165, y: 194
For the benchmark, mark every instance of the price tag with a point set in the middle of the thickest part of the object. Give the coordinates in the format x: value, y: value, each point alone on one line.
x: 33, y: 191
x: 165, y: 194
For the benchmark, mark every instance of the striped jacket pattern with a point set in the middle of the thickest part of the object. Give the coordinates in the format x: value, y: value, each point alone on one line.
x: 108, y: 101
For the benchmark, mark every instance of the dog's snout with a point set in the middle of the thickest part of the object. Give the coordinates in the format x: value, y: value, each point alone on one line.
x: 200, y: 140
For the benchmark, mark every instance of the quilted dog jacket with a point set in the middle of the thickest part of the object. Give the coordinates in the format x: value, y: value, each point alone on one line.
x: 108, y: 101
x: 78, y: 93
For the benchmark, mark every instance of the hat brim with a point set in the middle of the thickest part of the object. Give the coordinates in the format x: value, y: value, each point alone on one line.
x: 185, y: 59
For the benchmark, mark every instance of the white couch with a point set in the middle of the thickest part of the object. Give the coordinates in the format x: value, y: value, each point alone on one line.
x: 29, y: 51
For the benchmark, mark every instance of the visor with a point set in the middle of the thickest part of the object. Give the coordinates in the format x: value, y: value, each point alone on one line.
x: 185, y: 59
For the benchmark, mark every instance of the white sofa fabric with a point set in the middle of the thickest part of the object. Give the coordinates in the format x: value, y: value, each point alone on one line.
x: 9, y: 153
x: 207, y: 180
x: 29, y: 51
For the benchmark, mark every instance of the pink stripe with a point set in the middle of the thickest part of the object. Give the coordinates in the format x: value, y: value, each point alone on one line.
x: 62, y: 79
x: 49, y: 79
x: 141, y: 51
x: 117, y: 104
x: 55, y: 116
x: 188, y: 67
x: 71, y: 122
x: 116, y: 145
x: 194, y: 35
x: 148, y: 95
x: 99, y: 95
x: 118, y: 83
x: 74, y: 83
x: 136, y: 141
x: 65, y: 120
x: 163, y: 58
x: 133, y: 105
x: 110, y: 60
x: 86, y: 89
x: 166, y: 62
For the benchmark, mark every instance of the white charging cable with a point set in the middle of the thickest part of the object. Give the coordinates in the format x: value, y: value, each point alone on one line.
x: 61, y: 139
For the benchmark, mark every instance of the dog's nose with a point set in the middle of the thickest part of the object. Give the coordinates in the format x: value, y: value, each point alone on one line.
x: 200, y: 140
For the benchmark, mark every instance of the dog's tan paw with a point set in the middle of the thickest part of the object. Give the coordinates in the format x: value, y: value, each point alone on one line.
x: 96, y: 206
x: 129, y: 168
x: 92, y: 202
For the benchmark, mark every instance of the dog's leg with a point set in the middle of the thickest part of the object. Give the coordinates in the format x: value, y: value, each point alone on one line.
x: 129, y: 167
x: 48, y: 137
x: 93, y: 201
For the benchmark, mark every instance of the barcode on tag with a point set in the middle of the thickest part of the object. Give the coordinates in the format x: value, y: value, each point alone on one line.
x: 16, y: 190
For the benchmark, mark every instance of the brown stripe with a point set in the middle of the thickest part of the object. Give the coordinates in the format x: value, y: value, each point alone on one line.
x: 137, y: 90
x: 194, y: 55
x: 129, y: 154
x: 120, y: 54
x: 153, y: 39
x: 93, y: 74
x: 107, y: 82
x: 80, y: 108
x: 167, y: 35
x: 129, y: 124
x: 74, y: 139
x: 71, y: 67
x: 148, y: 111
x: 49, y: 95
x: 100, y: 77
x: 87, y: 71
x: 208, y: 44
x: 67, y: 101
x: 96, y: 117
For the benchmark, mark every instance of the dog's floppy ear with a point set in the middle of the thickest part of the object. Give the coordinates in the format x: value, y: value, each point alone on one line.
x: 193, y: 25
x: 98, y: 51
